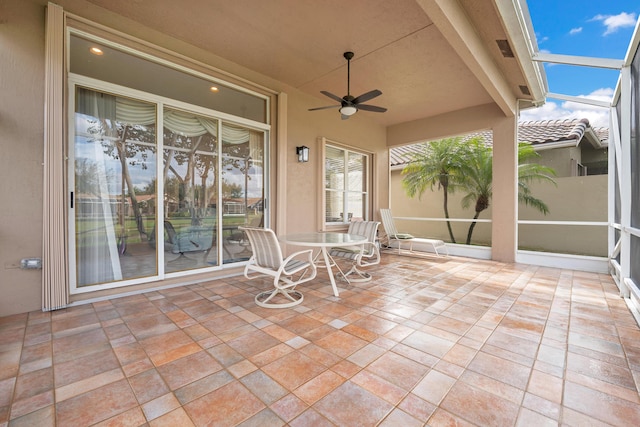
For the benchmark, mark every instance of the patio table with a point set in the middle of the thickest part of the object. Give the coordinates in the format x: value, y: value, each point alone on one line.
x: 325, y: 241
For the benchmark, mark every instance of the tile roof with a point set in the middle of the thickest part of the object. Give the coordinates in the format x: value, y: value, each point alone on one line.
x: 540, y: 132
x: 536, y: 132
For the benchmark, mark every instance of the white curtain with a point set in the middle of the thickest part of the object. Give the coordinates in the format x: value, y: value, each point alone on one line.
x: 98, y: 250
x: 191, y: 125
x: 256, y: 145
x: 183, y: 123
x: 96, y: 241
x: 234, y: 134
x: 188, y: 124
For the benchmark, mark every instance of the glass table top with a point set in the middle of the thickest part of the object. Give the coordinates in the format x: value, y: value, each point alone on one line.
x: 323, y: 239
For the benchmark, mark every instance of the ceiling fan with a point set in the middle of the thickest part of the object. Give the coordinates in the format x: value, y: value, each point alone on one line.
x: 348, y: 104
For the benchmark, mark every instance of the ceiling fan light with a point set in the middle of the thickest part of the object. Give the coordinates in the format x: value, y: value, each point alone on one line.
x: 348, y: 110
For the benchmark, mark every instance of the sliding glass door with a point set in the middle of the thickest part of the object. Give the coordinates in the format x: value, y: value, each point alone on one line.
x: 166, y: 163
x: 113, y: 197
x: 134, y: 220
x: 242, y: 184
x: 190, y: 170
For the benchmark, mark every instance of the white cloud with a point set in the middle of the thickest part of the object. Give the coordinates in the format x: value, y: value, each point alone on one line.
x: 554, y: 110
x: 575, y: 30
x: 615, y: 22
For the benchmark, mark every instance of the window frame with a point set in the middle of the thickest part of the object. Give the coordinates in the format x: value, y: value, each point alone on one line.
x: 366, y: 192
x: 74, y: 80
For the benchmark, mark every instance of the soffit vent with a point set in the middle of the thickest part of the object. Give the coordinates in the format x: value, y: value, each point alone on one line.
x: 505, y: 48
x: 525, y: 90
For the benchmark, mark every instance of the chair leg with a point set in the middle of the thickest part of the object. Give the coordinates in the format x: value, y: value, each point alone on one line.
x: 340, y: 274
x: 360, y: 276
x: 410, y: 251
x: 263, y: 299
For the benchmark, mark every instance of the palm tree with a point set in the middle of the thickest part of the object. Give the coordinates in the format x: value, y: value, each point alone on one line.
x: 478, y: 173
x: 436, y: 164
x: 531, y: 172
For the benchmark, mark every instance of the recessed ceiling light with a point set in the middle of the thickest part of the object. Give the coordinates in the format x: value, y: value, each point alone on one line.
x: 214, y: 89
x: 96, y: 51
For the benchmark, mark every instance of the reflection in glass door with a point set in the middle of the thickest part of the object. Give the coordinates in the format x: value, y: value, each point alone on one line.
x: 242, y: 177
x: 356, y: 197
x: 113, y: 188
x: 190, y: 169
x: 209, y: 183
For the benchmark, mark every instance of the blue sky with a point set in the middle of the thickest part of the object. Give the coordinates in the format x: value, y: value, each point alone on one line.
x: 593, y: 28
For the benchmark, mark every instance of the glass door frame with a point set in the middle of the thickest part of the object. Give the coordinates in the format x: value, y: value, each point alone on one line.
x: 161, y: 103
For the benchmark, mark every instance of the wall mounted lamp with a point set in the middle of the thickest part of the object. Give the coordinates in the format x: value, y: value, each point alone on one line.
x: 303, y: 153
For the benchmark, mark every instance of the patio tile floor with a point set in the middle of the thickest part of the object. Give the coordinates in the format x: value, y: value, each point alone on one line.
x: 429, y: 341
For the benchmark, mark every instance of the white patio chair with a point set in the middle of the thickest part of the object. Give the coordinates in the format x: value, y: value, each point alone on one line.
x: 404, y: 238
x: 361, y: 255
x: 287, y: 273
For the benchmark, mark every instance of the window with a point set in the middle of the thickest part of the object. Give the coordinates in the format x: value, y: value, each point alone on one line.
x: 121, y: 66
x: 114, y: 158
x: 577, y: 168
x: 162, y: 170
x: 346, y: 185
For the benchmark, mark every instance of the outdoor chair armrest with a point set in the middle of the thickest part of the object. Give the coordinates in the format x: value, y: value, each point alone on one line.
x: 294, y: 264
x: 403, y: 236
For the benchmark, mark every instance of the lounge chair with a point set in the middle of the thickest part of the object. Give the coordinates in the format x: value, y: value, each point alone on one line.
x: 404, y: 238
x: 287, y: 273
x: 361, y: 255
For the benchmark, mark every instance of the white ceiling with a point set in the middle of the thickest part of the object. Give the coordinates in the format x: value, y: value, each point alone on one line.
x: 398, y: 48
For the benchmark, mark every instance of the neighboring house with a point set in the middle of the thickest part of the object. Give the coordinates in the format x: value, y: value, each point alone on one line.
x: 571, y: 147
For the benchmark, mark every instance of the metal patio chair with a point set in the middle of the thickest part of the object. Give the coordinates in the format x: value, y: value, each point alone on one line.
x: 287, y: 273
x: 362, y: 255
x: 404, y: 238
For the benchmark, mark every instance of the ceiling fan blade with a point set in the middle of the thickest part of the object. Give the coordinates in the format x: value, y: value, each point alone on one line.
x: 367, y: 96
x: 324, y: 108
x: 332, y: 96
x: 373, y: 108
x: 348, y: 103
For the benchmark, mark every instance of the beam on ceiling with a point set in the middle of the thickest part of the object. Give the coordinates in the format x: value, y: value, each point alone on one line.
x: 452, y: 21
x: 585, y: 61
x: 579, y: 99
x: 517, y: 23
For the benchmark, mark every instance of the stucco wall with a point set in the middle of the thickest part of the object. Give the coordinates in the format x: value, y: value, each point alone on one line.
x: 574, y: 199
x: 21, y: 136
x: 591, y: 155
x: 503, y: 232
x: 431, y: 205
x: 22, y: 41
x: 559, y: 159
x: 580, y: 198
x: 304, y: 183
